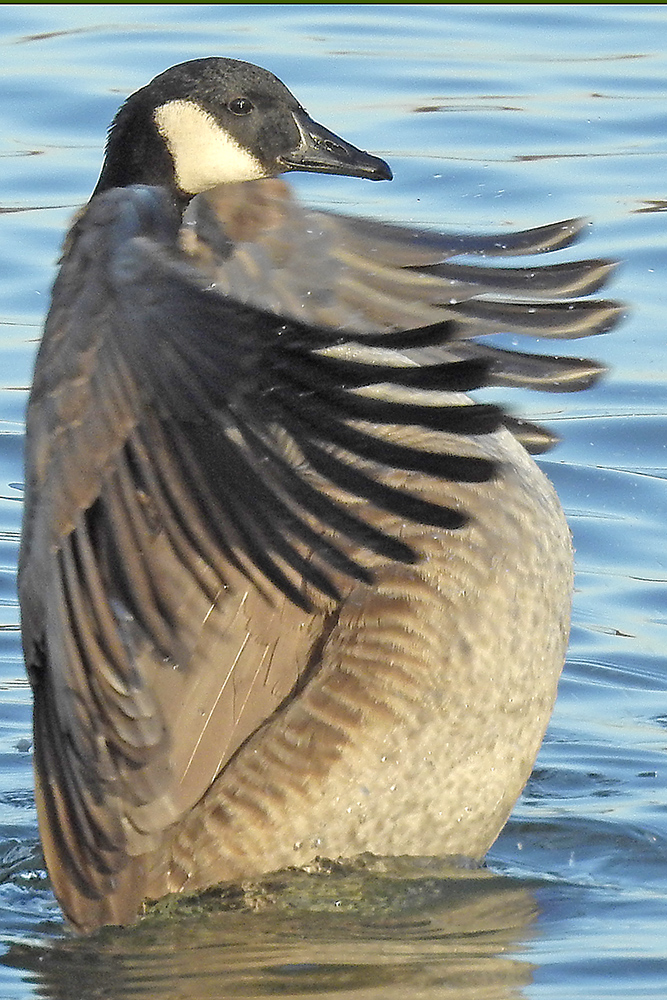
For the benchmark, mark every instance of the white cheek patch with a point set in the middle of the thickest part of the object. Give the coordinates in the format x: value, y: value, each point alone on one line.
x: 204, y: 154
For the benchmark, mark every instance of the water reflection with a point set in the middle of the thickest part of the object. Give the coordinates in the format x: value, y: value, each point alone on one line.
x: 367, y: 935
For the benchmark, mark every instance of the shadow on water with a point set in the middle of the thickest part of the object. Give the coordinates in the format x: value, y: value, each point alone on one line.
x: 417, y: 928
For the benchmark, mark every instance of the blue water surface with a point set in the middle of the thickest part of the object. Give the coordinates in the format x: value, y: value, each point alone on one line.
x: 492, y: 117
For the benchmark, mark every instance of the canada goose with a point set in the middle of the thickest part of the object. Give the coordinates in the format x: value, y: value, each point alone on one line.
x: 285, y: 590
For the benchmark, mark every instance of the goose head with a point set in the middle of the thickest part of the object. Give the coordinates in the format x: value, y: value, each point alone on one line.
x: 219, y: 121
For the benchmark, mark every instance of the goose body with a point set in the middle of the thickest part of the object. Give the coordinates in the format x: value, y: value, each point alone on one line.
x: 286, y: 591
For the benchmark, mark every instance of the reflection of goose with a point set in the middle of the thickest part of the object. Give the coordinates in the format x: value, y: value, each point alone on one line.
x: 258, y: 625
x: 454, y: 933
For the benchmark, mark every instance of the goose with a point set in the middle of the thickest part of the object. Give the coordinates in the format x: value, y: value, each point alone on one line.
x: 286, y: 590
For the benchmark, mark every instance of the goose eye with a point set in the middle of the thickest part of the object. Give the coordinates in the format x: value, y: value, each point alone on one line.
x: 241, y: 106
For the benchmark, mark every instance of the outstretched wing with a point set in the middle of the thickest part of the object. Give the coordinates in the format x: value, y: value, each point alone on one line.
x: 179, y: 444
x: 194, y: 430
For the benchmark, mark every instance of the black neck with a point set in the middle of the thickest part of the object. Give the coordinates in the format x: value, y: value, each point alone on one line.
x: 137, y: 154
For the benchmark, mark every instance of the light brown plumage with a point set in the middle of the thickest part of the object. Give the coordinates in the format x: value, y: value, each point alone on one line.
x: 258, y: 625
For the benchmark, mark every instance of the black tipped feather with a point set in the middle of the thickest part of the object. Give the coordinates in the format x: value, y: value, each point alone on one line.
x: 320, y: 371
x: 401, y: 340
x: 563, y: 320
x: 464, y: 419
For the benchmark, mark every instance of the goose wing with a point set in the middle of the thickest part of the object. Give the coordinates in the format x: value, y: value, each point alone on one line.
x: 364, y: 276
x: 188, y: 459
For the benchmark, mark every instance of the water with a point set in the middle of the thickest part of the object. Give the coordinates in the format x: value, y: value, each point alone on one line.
x: 491, y: 116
